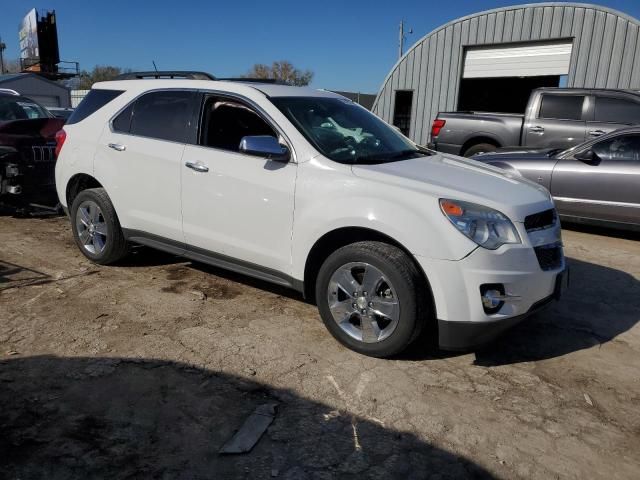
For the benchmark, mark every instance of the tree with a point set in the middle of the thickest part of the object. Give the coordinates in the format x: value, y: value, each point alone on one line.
x: 282, y: 71
x: 100, y: 73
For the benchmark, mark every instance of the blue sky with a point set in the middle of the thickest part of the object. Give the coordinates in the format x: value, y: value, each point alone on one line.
x: 349, y: 44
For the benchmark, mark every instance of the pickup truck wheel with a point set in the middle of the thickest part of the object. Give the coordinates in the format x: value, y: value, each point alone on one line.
x: 479, y: 148
x: 372, y: 298
x: 96, y: 228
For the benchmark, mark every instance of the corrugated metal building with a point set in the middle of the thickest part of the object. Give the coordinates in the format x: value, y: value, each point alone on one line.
x: 38, y: 88
x: 492, y: 60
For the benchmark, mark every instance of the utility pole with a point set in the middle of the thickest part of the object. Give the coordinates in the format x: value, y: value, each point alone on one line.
x: 2, y: 49
x: 401, y: 39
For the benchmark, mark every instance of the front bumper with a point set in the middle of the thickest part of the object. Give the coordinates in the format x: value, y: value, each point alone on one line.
x: 455, y: 287
x: 470, y: 335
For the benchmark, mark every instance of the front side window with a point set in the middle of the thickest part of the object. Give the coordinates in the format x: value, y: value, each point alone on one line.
x: 20, y: 108
x: 617, y: 110
x: 165, y: 115
x: 225, y: 122
x: 621, y: 148
x: 561, y: 107
x: 344, y: 131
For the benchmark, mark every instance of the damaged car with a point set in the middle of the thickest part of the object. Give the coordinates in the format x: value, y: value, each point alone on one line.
x: 27, y: 152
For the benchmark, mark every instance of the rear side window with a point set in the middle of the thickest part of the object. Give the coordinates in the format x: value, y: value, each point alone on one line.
x: 94, y: 101
x: 561, y: 107
x: 617, y: 110
x: 164, y: 115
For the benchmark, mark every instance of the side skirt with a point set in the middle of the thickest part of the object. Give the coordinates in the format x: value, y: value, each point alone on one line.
x: 211, y: 258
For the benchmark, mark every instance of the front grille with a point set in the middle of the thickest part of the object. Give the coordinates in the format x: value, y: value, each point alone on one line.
x: 549, y: 256
x: 42, y: 153
x: 541, y: 220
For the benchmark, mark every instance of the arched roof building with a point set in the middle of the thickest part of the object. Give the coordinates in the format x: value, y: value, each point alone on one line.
x: 493, y: 59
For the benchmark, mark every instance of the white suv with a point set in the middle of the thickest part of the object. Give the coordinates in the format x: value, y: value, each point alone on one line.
x: 307, y: 189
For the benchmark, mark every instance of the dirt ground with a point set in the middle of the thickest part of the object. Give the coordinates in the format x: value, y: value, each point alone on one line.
x: 145, y: 370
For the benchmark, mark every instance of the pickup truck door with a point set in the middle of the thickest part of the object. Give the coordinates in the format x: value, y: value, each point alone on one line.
x: 555, y: 121
x: 605, y: 188
x: 236, y: 207
x: 611, y: 112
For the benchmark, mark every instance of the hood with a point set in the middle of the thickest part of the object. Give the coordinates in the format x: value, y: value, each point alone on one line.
x: 457, y: 178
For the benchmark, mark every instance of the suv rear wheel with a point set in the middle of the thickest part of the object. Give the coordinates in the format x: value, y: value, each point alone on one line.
x: 372, y: 298
x: 96, y: 228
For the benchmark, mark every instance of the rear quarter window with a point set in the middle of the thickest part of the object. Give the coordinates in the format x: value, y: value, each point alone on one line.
x: 94, y: 101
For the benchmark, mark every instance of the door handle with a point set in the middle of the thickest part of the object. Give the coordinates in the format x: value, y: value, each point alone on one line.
x: 597, y: 133
x: 118, y: 147
x: 537, y: 129
x: 198, y: 167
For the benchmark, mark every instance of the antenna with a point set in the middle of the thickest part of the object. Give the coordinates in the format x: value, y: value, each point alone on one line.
x: 154, y: 65
x: 401, y: 38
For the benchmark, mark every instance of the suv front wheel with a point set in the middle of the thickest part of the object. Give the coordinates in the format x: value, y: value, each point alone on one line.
x: 96, y: 228
x: 372, y: 298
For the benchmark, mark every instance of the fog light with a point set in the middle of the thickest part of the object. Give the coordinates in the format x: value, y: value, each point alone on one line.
x: 491, y: 299
x: 492, y: 295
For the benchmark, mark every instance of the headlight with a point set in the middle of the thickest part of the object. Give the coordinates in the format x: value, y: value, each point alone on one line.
x: 487, y: 227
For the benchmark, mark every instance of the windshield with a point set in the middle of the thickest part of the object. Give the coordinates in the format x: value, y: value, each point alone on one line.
x: 346, y: 132
x: 20, y: 108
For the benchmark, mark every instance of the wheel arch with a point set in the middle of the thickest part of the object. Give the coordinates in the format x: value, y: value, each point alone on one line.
x: 476, y: 139
x: 78, y: 183
x: 342, y: 236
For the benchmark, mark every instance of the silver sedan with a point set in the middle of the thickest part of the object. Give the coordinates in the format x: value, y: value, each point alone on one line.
x: 596, y: 182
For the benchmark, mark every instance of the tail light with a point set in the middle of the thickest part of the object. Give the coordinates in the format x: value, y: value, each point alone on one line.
x: 437, y: 126
x: 61, y: 136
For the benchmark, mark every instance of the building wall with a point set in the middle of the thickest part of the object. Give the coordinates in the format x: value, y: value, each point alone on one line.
x: 43, y: 91
x: 606, y: 53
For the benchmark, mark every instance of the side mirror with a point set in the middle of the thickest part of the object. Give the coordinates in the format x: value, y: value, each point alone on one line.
x: 588, y: 156
x: 265, y: 146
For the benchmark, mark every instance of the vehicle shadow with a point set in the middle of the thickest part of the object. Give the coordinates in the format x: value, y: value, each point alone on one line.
x: 11, y: 272
x: 133, y: 418
x: 600, y: 304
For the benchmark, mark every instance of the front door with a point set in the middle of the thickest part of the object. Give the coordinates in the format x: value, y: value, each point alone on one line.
x: 236, y: 206
x: 605, y: 188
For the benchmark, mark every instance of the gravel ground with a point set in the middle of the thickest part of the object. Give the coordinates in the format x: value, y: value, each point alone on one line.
x: 146, y: 369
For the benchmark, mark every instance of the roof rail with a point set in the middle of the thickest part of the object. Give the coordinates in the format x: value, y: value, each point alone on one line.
x: 10, y: 91
x: 253, y: 80
x: 190, y: 75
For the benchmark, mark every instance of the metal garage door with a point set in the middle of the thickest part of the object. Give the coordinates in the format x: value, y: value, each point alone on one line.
x: 520, y: 60
x: 46, y: 100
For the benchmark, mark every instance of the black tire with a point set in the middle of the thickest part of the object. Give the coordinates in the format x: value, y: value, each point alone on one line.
x: 408, y: 283
x: 115, y: 245
x: 479, y: 148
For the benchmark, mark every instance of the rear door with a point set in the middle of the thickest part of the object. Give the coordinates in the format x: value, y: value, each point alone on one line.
x: 605, y: 189
x: 141, y: 154
x: 557, y: 121
x: 611, y: 112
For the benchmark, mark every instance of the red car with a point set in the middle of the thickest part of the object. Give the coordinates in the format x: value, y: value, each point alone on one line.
x: 27, y: 152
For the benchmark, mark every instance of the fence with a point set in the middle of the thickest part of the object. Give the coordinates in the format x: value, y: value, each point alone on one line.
x: 77, y: 96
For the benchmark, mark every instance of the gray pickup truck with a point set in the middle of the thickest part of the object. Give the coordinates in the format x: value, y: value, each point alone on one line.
x: 554, y: 118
